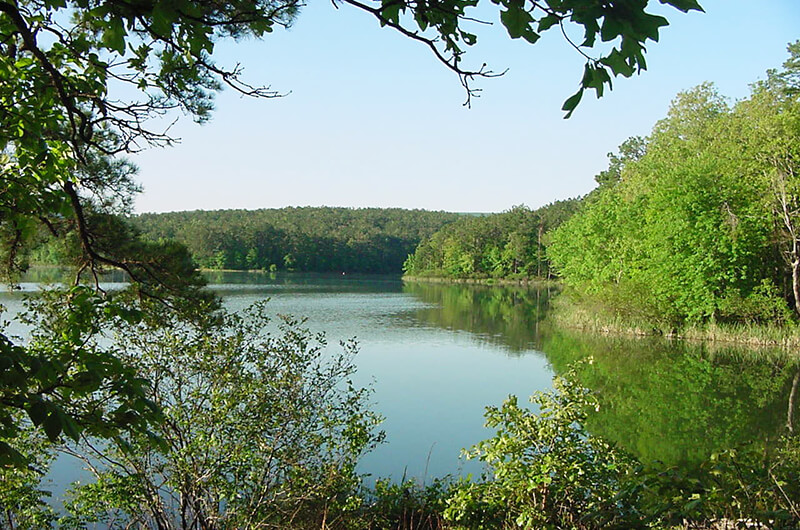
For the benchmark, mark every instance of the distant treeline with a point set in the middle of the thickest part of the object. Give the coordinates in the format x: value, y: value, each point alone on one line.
x: 511, y: 244
x: 320, y: 239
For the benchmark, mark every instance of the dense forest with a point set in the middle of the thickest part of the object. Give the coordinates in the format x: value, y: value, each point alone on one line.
x: 511, y: 244
x: 701, y: 221
x: 318, y: 239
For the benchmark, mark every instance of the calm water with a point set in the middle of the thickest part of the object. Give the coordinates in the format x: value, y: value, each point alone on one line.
x: 431, y: 379
x: 436, y: 355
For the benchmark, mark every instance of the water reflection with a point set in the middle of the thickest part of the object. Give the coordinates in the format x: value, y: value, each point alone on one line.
x: 669, y: 401
x: 674, y: 401
x: 506, y: 317
x: 439, y: 353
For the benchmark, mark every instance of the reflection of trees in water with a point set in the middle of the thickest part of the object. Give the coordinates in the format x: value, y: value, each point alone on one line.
x: 330, y: 282
x: 677, y: 402
x: 507, y: 317
x: 671, y: 401
x: 65, y: 275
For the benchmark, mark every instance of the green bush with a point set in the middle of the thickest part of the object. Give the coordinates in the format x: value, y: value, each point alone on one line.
x: 405, y: 505
x: 543, y: 470
x: 261, y: 429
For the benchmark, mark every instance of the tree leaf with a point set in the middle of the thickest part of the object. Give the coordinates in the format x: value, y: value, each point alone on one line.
x: 684, y: 5
x: 114, y: 35
x: 516, y: 20
x: 71, y: 428
x: 37, y: 412
x: 547, y: 22
x: 162, y: 20
x: 611, y: 28
x: 572, y: 102
x: 52, y: 426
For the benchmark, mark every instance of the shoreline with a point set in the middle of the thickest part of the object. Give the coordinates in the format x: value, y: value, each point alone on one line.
x: 524, y: 282
x: 570, y: 315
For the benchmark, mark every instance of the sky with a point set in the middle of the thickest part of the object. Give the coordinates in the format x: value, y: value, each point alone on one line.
x: 369, y: 118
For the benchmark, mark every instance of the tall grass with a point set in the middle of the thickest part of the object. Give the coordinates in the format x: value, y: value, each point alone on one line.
x: 592, y: 317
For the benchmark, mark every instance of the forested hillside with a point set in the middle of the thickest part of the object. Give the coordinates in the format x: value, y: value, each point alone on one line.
x: 372, y: 240
x: 511, y: 244
x: 702, y: 221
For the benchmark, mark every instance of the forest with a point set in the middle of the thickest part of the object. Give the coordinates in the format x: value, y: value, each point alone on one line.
x: 510, y: 245
x: 304, y: 239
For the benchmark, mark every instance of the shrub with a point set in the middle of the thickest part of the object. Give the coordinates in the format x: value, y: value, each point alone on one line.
x: 544, y: 470
x: 261, y: 429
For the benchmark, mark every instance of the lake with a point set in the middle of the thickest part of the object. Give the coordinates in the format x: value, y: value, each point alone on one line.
x: 431, y: 379
x: 437, y: 354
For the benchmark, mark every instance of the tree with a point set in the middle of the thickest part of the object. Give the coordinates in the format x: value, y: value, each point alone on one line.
x: 630, y: 150
x: 769, y: 124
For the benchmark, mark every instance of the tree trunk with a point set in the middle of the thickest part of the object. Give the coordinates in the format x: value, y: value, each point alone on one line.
x: 792, y: 395
x: 796, y: 283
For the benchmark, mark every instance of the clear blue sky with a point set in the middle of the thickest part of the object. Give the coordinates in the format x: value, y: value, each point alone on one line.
x: 372, y: 119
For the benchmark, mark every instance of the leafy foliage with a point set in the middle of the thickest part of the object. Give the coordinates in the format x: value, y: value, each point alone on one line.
x: 66, y: 368
x: 406, y: 505
x: 507, y: 245
x: 623, y: 27
x: 23, y: 503
x: 545, y: 470
x: 66, y: 379
x: 261, y: 429
x: 701, y: 223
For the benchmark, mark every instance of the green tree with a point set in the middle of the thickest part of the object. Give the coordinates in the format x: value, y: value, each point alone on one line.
x: 511, y: 244
x: 768, y: 124
x: 693, y: 227
x: 630, y: 150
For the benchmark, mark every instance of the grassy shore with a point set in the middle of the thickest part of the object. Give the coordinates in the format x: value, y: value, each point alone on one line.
x: 569, y: 314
